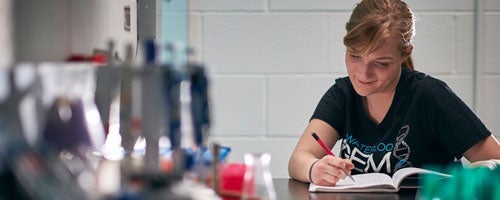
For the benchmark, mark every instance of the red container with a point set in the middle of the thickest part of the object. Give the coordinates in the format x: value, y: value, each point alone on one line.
x: 232, y: 180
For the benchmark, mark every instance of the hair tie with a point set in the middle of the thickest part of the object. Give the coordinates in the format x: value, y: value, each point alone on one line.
x: 310, y: 170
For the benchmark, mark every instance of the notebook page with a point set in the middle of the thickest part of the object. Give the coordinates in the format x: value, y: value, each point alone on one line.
x: 399, y: 175
x: 371, y: 180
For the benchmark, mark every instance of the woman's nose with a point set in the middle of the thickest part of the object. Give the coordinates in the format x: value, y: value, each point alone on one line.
x: 365, y: 70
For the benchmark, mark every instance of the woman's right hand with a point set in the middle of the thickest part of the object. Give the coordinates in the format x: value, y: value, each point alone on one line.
x: 329, y: 170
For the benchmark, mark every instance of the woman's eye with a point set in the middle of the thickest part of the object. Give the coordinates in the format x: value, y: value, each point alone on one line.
x: 383, y: 64
x: 355, y: 57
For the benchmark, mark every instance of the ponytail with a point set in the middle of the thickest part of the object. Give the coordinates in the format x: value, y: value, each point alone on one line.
x: 409, y: 63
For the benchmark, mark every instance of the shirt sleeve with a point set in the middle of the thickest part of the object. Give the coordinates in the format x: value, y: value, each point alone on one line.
x: 457, y: 126
x: 331, y: 107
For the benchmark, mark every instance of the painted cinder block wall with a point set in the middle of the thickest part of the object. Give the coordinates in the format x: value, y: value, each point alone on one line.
x: 270, y: 61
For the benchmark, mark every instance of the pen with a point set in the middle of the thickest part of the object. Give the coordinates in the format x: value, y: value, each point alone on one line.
x: 327, y: 150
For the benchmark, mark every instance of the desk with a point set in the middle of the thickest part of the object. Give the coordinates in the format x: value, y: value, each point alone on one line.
x: 292, y: 189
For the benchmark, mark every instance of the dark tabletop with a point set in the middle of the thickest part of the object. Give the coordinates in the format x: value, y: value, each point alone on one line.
x: 291, y: 189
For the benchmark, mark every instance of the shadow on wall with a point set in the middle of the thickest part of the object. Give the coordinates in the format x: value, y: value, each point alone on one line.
x: 51, y: 30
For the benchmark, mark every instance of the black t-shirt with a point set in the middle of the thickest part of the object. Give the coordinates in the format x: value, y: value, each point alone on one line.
x: 427, y: 124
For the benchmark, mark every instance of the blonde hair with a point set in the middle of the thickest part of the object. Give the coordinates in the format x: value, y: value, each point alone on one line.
x: 372, y: 21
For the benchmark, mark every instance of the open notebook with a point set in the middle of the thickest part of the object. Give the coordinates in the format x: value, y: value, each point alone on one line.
x: 377, y: 182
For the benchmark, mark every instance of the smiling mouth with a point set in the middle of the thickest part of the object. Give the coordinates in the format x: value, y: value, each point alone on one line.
x: 366, y: 82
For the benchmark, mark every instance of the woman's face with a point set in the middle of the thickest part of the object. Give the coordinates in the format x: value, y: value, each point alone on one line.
x: 378, y: 71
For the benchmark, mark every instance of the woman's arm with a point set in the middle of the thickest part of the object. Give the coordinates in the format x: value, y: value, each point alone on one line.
x: 328, y: 170
x: 487, y: 149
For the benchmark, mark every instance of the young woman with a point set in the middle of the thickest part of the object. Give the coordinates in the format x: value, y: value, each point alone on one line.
x: 388, y: 115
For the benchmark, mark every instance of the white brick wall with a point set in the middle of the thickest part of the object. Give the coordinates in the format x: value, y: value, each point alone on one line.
x: 491, y: 102
x: 311, y: 6
x: 228, y: 5
x: 293, y: 96
x: 490, y: 107
x: 240, y: 102
x: 491, y: 43
x: 265, y: 42
x: 435, y: 36
x: 271, y: 60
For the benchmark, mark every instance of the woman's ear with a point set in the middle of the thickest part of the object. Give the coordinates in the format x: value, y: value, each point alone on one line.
x: 408, y: 51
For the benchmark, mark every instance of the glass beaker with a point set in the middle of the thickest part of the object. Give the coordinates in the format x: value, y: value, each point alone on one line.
x: 257, y: 181
x: 73, y: 122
